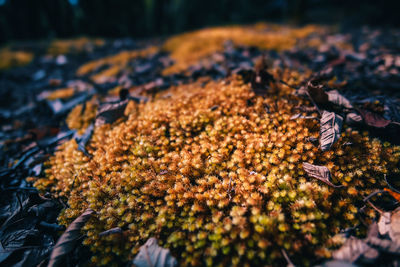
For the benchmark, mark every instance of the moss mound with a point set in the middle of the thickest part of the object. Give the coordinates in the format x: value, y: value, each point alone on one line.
x: 214, y: 172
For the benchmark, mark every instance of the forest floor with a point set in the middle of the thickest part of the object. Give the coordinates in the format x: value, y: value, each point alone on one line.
x: 70, y: 95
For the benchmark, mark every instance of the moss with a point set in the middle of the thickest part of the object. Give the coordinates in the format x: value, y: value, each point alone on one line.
x: 216, y: 179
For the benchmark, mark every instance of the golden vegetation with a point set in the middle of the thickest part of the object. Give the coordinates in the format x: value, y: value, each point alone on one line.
x: 10, y: 58
x: 189, y: 48
x: 113, y: 64
x: 76, y: 45
x: 215, y: 173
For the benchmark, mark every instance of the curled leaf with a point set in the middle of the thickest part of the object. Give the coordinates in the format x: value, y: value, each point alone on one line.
x: 394, y: 232
x: 373, y: 119
x: 67, y: 241
x: 353, y: 118
x: 110, y: 112
x: 335, y: 97
x: 115, y: 230
x: 322, y: 173
x: 331, y: 125
x: 152, y: 255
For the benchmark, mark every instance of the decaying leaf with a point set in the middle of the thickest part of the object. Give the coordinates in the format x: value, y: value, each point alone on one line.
x: 385, y: 245
x: 84, y: 138
x: 394, y: 232
x: 353, y: 249
x: 110, y: 112
x: 299, y: 116
x: 317, y: 93
x: 353, y: 118
x: 115, y: 230
x: 335, y: 97
x: 384, y: 223
x: 331, y: 125
x: 152, y: 255
x: 67, y: 241
x: 373, y: 119
x: 322, y: 173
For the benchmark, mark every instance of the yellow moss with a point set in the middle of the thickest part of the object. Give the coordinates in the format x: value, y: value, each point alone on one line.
x: 79, y: 120
x: 61, y: 93
x: 116, y: 61
x: 187, y: 49
x: 76, y: 45
x: 11, y: 59
x: 215, y: 177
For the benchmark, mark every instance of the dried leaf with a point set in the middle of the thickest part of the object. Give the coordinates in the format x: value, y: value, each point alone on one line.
x: 373, y: 119
x: 384, y: 245
x: 67, y: 241
x: 299, y: 116
x: 152, y: 255
x: 322, y: 173
x: 110, y: 112
x: 84, y: 138
x: 353, y: 118
x: 115, y: 230
x: 394, y: 232
x: 394, y: 194
x: 353, y: 249
x: 331, y: 125
x: 335, y: 97
x: 317, y: 93
x: 384, y: 223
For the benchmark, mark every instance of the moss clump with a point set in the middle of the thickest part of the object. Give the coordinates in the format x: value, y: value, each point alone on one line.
x: 188, y: 49
x: 215, y: 173
x: 10, y: 58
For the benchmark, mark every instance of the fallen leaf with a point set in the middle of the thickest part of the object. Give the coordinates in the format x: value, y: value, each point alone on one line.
x: 322, y: 173
x: 394, y: 232
x: 110, y: 112
x: 152, y: 255
x: 353, y: 249
x: 317, y: 93
x: 385, y: 245
x: 67, y: 241
x: 353, y: 118
x: 335, y: 97
x: 394, y: 194
x: 331, y: 125
x: 384, y: 223
x: 115, y: 230
x: 373, y: 119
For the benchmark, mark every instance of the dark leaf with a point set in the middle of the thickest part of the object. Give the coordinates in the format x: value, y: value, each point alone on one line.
x: 111, y: 231
x: 67, y: 241
x: 110, y: 112
x: 322, y: 173
x: 331, y: 125
x: 84, y: 138
x: 152, y: 255
x: 336, y: 98
x: 373, y: 119
x: 353, y: 249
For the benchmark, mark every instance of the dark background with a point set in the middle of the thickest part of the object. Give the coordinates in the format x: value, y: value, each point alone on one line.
x: 41, y: 19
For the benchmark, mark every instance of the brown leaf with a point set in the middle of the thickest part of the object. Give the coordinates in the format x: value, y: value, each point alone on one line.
x: 335, y: 97
x: 353, y: 249
x: 331, y: 125
x: 317, y: 93
x: 110, y: 112
x: 373, y: 119
x: 394, y: 232
x: 67, y: 241
x: 322, y: 173
x: 384, y: 223
x: 152, y: 255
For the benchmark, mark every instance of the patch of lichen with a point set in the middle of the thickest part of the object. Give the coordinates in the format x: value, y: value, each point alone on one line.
x: 189, y: 48
x: 10, y: 58
x: 215, y: 173
x: 77, y: 45
x: 113, y: 64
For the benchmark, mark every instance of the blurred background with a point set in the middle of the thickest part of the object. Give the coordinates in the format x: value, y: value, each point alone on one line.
x: 42, y: 19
